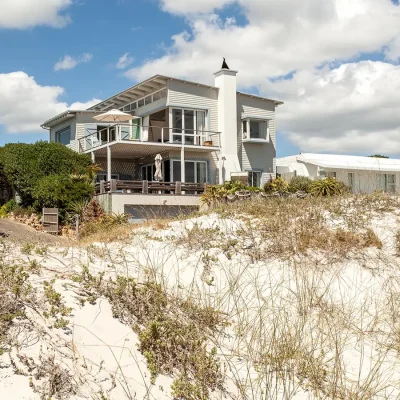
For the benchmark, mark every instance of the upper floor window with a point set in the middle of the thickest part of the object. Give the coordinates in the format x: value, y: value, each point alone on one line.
x: 63, y: 136
x: 255, y: 129
x: 161, y: 94
x: 326, y: 174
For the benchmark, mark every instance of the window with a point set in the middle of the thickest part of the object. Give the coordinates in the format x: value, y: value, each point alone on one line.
x: 350, y: 179
x: 148, y: 100
x: 325, y: 174
x: 141, y: 103
x: 148, y: 172
x: 195, y: 171
x: 190, y: 122
x: 103, y: 177
x: 255, y: 129
x: 63, y: 136
x: 254, y: 178
x: 387, y: 182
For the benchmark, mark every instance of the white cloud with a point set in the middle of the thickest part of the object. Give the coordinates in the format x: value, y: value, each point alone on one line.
x: 353, y: 108
x: 281, y: 36
x: 25, y: 105
x: 349, y: 109
x: 69, y: 62
x: 23, y: 14
x: 124, y: 61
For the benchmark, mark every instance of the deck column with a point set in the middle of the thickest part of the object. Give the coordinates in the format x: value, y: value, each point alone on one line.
x: 93, y: 157
x: 183, y: 169
x: 109, y: 163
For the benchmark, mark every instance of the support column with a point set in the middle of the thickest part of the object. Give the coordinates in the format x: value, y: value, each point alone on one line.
x: 93, y: 157
x: 221, y: 169
x: 183, y: 169
x: 109, y: 163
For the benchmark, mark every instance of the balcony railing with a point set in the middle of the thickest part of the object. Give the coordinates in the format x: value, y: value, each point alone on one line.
x: 148, y: 134
x: 149, y: 187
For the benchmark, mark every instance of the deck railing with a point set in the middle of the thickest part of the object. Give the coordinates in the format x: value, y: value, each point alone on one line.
x: 147, y: 134
x: 149, y: 187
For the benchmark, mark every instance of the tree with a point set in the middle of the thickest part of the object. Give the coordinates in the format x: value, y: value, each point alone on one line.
x: 25, y: 165
x: 378, y: 156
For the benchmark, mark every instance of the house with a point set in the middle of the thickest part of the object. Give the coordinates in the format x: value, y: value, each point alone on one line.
x: 362, y: 174
x: 204, y: 134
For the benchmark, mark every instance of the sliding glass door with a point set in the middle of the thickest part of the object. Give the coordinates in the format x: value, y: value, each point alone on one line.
x: 195, y: 171
x: 188, y: 125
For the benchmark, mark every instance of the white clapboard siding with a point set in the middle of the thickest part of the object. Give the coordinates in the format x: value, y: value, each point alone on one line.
x: 183, y: 95
x: 255, y: 156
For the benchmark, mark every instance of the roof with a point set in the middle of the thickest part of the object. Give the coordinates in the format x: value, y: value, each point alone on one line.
x: 64, y: 116
x: 138, y: 91
x: 150, y: 85
x: 334, y: 161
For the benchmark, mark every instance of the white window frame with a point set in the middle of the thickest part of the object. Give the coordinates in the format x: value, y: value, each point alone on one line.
x: 246, y: 134
x: 191, y: 133
x: 257, y: 172
x: 195, y: 168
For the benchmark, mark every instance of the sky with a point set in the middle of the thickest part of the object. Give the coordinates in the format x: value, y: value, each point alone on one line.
x: 335, y: 63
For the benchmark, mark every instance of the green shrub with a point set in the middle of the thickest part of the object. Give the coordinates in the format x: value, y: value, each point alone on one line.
x: 6, y: 208
x: 25, y: 165
x: 328, y: 187
x: 300, y: 183
x: 61, y: 191
x: 276, y: 185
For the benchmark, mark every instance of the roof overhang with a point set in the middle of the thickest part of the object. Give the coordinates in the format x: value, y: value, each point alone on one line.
x: 276, y: 102
x: 66, y: 115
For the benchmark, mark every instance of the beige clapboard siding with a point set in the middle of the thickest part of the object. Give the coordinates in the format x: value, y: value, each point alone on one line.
x: 182, y: 94
x: 254, y: 156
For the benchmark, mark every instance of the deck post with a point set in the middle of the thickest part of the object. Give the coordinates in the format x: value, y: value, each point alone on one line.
x: 162, y: 135
x: 93, y: 157
x: 102, y: 189
x: 145, y: 188
x: 108, y: 163
x: 113, y: 186
x: 183, y: 169
x: 178, y: 187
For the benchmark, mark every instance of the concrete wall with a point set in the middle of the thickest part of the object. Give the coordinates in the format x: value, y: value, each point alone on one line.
x: 257, y: 156
x: 119, y: 203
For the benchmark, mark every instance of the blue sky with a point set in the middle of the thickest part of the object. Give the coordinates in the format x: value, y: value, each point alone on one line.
x: 336, y: 62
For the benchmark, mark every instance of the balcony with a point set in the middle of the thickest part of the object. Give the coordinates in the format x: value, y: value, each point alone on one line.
x: 164, y: 136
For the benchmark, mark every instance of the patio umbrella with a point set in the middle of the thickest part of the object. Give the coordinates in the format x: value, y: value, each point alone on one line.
x: 114, y: 116
x: 158, y: 176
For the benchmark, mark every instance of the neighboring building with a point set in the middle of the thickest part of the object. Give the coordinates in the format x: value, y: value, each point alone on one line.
x: 362, y: 174
x: 205, y: 134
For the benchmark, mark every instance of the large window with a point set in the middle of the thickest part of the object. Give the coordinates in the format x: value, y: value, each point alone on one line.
x: 63, y: 136
x: 254, y: 178
x: 190, y: 124
x: 195, y: 171
x: 255, y: 129
x: 387, y: 182
x: 148, y: 172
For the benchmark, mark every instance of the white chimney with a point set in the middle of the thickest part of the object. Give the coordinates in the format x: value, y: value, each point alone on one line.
x: 225, y: 80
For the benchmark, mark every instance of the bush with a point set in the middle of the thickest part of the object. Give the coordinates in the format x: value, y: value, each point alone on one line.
x: 6, y: 208
x: 300, y: 183
x: 103, y: 224
x: 328, y: 187
x: 277, y: 185
x: 24, y: 165
x: 61, y: 192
